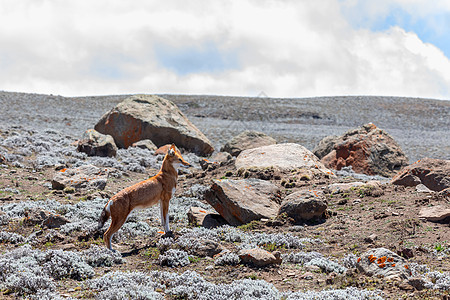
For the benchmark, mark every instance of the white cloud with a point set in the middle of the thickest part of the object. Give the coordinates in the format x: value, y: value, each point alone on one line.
x: 285, y: 48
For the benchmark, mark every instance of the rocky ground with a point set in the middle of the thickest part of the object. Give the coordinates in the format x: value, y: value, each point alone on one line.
x: 318, y: 258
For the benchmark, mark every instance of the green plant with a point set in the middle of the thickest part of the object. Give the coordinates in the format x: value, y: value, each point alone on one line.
x: 438, y: 247
x: 252, y: 276
x: 250, y: 226
x: 194, y: 259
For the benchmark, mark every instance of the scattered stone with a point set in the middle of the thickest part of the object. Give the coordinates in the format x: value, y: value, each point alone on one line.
x: 307, y: 276
x: 285, y: 157
x: 247, y: 140
x: 304, y: 205
x: 93, y: 143
x: 368, y: 149
x: 421, y: 188
x: 222, y: 158
x: 141, y: 117
x: 206, y: 248
x: 406, y: 252
x: 145, y: 144
x: 433, y: 173
x: 435, y: 213
x: 197, y: 216
x: 37, y: 216
x: 417, y: 282
x: 84, y: 177
x: 381, y: 262
x: 242, y: 201
x: 258, y: 257
x: 371, y: 238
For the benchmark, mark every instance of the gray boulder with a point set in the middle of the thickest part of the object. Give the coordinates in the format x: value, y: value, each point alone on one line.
x: 141, y: 117
x: 304, y: 205
x: 245, y: 200
x: 198, y: 216
x: 285, y: 157
x: 93, y: 143
x: 87, y: 177
x: 381, y: 262
x: 247, y: 140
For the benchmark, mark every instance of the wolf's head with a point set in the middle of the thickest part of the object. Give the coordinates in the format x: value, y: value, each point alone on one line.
x: 174, y: 157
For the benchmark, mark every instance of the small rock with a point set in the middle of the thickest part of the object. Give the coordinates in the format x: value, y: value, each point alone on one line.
x: 93, y: 143
x: 37, y: 216
x: 304, y: 205
x: 247, y: 140
x: 83, y: 177
x: 145, y: 144
x: 307, y: 276
x: 384, y: 263
x: 417, y: 282
x: 258, y: 257
x: 371, y: 238
x: 206, y: 248
x: 198, y: 216
x: 421, y: 188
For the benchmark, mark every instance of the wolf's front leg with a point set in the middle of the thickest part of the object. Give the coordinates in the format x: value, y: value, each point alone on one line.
x: 164, y: 207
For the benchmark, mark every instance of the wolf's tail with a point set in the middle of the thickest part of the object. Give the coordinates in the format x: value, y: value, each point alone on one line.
x: 104, y: 216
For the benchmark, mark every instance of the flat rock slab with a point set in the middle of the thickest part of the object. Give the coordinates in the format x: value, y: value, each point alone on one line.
x: 141, y: 117
x: 381, y: 262
x: 435, y: 213
x: 433, y: 173
x: 245, y: 200
x: 87, y: 177
x: 285, y: 157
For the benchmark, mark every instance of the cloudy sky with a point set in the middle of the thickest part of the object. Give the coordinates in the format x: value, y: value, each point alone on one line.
x: 286, y: 48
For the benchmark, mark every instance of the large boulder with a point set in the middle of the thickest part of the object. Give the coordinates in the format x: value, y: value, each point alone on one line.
x: 304, y: 205
x: 284, y: 157
x: 141, y: 117
x: 433, y: 173
x: 436, y: 213
x: 245, y: 200
x: 247, y: 140
x: 381, y: 262
x: 93, y: 143
x: 368, y: 149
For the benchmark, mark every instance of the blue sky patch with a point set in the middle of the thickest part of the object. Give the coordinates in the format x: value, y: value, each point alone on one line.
x: 196, y: 59
x: 434, y: 29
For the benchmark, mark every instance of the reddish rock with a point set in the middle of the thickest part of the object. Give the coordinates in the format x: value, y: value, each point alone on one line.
x: 141, y: 117
x: 368, y: 149
x: 433, y: 173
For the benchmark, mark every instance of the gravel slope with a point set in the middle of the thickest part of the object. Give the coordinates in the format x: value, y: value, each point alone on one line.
x: 421, y: 126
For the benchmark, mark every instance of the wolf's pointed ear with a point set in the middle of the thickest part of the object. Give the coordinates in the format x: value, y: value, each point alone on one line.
x: 171, y: 152
x: 172, y: 146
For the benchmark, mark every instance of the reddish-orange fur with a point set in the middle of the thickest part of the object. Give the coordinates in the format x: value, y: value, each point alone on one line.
x: 144, y: 194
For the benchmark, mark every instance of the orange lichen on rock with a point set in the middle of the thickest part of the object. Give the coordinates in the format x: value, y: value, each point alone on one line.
x: 382, y: 265
x: 359, y: 259
x: 372, y: 258
x: 381, y: 260
x: 390, y: 259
